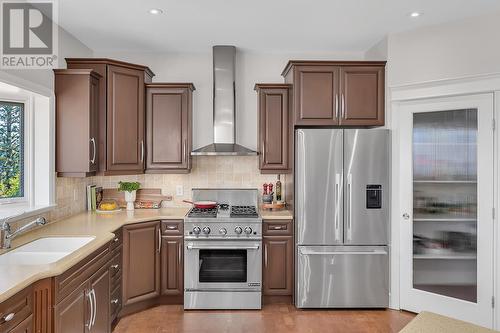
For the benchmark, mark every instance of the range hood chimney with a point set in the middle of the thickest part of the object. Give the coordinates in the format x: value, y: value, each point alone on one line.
x: 224, y: 90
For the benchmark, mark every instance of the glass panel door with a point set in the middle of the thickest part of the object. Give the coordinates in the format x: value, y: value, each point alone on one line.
x: 446, y: 201
x: 223, y: 266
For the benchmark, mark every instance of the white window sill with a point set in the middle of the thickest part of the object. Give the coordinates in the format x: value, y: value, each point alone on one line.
x: 22, y: 210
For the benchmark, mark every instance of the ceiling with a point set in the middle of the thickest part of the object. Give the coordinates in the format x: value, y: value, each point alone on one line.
x: 258, y: 25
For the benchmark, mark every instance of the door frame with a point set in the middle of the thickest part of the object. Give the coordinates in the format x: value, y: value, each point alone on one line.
x: 466, y: 85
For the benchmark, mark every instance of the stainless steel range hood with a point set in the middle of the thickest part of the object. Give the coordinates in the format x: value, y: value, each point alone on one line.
x: 224, y: 59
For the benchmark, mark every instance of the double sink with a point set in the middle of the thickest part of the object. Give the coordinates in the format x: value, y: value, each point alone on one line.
x: 44, y: 251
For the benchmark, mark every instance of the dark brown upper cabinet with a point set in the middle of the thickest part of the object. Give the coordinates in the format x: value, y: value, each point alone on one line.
x: 121, y: 145
x: 337, y: 93
x: 168, y: 127
x: 275, y: 128
x: 362, y: 94
x: 77, y: 126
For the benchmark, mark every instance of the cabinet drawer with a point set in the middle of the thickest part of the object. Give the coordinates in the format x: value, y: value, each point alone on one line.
x: 116, y: 303
x: 68, y: 281
x: 115, y: 265
x: 118, y: 240
x: 172, y: 227
x: 278, y: 227
x: 16, y: 309
x: 116, y: 281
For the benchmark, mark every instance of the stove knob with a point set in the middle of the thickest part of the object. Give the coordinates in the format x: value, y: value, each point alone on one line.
x: 196, y: 230
x: 238, y: 230
x: 248, y: 230
x: 222, y: 231
x: 206, y: 230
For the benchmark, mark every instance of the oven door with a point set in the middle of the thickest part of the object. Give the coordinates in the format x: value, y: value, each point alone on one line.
x: 223, y: 265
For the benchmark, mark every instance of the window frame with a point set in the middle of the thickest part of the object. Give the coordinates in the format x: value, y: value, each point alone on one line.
x: 27, y: 147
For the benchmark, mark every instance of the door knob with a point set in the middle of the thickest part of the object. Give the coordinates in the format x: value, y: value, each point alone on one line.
x: 406, y: 216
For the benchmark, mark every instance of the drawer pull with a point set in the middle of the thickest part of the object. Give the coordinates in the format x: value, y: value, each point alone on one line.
x: 171, y: 227
x: 115, y: 266
x: 277, y: 227
x: 116, y: 239
x: 114, y: 301
x: 9, y: 317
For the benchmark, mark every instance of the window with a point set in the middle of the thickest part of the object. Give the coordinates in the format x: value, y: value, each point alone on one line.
x: 11, y: 150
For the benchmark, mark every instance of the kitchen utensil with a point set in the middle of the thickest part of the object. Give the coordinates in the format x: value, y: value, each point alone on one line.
x: 206, y: 204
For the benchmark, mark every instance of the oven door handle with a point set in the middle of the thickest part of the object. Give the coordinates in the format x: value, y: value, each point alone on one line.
x: 198, y: 247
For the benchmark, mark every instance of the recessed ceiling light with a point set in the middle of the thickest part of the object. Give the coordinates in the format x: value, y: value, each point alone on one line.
x: 415, y: 14
x: 155, y: 11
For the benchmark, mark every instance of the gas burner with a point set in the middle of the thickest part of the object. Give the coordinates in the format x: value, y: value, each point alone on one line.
x: 203, y: 212
x: 223, y: 206
x: 243, y: 211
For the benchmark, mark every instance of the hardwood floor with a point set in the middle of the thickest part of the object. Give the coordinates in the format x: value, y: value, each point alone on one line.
x: 275, y: 318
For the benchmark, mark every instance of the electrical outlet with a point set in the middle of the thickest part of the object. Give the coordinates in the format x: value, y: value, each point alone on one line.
x: 179, y: 190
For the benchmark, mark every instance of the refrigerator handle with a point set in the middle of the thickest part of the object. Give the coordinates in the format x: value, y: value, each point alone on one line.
x: 349, y: 207
x: 337, y: 206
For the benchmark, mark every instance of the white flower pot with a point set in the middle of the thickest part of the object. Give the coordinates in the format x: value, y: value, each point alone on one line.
x: 130, y: 198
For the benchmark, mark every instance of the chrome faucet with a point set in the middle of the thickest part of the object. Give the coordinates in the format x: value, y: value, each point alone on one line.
x: 7, y: 235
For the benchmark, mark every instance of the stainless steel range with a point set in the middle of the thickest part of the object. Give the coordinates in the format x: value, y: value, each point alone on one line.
x: 223, y: 251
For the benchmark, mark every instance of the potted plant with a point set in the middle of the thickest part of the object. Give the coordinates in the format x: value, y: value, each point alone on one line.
x: 130, y: 189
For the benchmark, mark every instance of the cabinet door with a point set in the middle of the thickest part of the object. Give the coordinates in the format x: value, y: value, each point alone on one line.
x: 274, y: 130
x: 72, y: 315
x: 94, y: 125
x: 172, y: 266
x: 125, y: 120
x: 316, y: 95
x: 167, y: 114
x: 26, y: 326
x: 99, y: 285
x: 362, y: 95
x: 141, y: 262
x: 278, y: 266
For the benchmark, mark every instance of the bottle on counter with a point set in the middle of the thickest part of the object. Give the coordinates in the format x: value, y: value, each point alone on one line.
x: 278, y: 189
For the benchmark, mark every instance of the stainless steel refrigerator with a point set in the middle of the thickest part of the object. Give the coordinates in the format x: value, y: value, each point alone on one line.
x: 342, y: 217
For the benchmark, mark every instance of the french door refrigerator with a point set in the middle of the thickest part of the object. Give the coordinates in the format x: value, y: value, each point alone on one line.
x: 342, y: 217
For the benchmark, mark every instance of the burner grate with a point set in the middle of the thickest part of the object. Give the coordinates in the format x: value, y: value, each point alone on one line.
x: 244, y: 211
x: 203, y: 212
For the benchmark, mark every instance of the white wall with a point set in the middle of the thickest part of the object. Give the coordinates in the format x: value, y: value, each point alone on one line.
x: 251, y: 68
x: 69, y: 46
x: 461, y: 48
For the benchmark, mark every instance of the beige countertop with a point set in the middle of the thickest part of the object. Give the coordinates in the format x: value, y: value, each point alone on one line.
x: 14, y: 278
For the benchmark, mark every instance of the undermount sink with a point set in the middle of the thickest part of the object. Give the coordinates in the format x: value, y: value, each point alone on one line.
x: 44, y: 251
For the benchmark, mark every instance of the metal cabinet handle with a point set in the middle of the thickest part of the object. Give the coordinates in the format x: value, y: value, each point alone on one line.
x: 114, y: 301
x: 222, y: 247
x: 91, y: 315
x: 116, y: 240
x: 337, y: 206
x: 92, y: 160
x: 9, y: 317
x: 172, y: 227
x: 277, y: 227
x: 115, y: 266
x: 349, y: 207
x: 336, y: 106
x: 184, y: 151
x: 142, y: 150
x: 265, y: 255
x: 159, y: 240
x: 95, y: 307
x: 343, y: 106
x: 311, y: 252
x: 263, y: 152
x: 180, y: 252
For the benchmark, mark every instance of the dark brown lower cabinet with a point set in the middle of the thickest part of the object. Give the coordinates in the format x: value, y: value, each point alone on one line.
x: 172, y: 263
x: 141, y: 262
x: 72, y: 314
x: 26, y: 326
x: 100, y: 285
x: 277, y: 270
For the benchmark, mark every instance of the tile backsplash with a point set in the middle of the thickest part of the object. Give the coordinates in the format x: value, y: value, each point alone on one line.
x: 207, y: 172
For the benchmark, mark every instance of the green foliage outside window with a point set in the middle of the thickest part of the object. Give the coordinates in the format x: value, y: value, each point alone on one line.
x: 11, y: 149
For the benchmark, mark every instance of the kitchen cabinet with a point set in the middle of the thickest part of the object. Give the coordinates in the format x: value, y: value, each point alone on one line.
x: 337, y: 93
x: 26, y: 326
x: 168, y: 127
x: 72, y: 314
x: 172, y: 266
x: 141, y: 262
x: 15, y: 310
x: 275, y: 128
x: 77, y: 127
x: 277, y: 276
x: 121, y: 113
x: 100, y: 286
